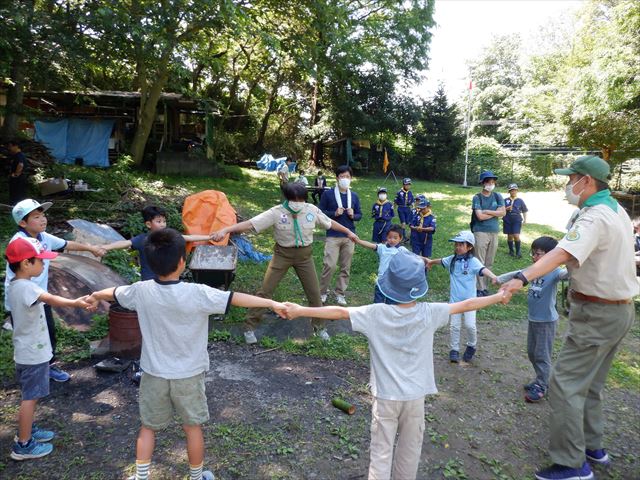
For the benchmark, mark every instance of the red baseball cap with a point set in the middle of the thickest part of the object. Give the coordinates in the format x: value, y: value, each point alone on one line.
x: 23, y: 248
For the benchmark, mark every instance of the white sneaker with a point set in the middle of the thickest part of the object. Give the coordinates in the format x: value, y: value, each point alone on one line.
x: 7, y: 326
x: 341, y: 300
x: 250, y: 337
x: 323, y: 335
x: 208, y: 475
x: 323, y: 298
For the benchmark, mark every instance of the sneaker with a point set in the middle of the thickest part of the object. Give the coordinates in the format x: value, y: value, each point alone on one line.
x: 7, y: 326
x: 208, y: 475
x: 598, y: 456
x: 468, y: 354
x: 341, y: 300
x: 323, y: 335
x: 250, y: 337
x: 454, y: 356
x: 32, y: 449
x: 511, y: 254
x: 323, y: 298
x: 518, y: 255
x: 527, y: 386
x: 39, y: 434
x: 534, y: 394
x: 58, y: 375
x: 559, y: 472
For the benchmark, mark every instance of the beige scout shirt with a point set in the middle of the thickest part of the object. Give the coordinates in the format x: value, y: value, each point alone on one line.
x: 601, y: 241
x: 282, y: 221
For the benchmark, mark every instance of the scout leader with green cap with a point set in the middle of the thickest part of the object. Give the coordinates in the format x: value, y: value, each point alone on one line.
x: 293, y: 222
x: 598, y: 252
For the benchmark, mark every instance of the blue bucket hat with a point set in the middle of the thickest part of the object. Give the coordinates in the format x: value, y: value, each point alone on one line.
x: 487, y: 174
x: 404, y: 280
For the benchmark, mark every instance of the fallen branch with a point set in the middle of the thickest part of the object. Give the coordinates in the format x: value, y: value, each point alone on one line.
x: 265, y: 351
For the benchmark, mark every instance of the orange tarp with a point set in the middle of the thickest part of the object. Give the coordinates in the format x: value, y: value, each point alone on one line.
x: 206, y: 212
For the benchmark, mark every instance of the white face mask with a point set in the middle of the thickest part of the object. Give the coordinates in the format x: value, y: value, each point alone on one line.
x: 296, y: 206
x: 344, y: 183
x: 489, y: 187
x: 572, y: 198
x: 382, y: 197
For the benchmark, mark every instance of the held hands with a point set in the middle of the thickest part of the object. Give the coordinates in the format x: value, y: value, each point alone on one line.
x: 506, y: 297
x: 82, y: 302
x: 353, y: 237
x: 280, y: 309
x: 217, y: 236
x: 292, y: 310
x: 98, y: 251
x: 91, y: 302
x: 512, y: 286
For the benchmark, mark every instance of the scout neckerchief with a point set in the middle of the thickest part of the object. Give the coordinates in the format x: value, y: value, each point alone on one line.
x: 296, y: 226
x: 603, y: 197
x: 406, y: 196
x: 421, y: 223
x: 336, y: 192
x: 465, y: 262
x: 378, y: 202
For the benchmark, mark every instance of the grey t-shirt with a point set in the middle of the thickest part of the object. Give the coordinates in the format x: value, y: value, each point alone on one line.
x: 174, y: 321
x: 401, y: 347
x: 31, y: 344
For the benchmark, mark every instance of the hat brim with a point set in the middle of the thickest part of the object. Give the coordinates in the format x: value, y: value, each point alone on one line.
x: 401, y: 295
x: 564, y: 171
x: 47, y: 255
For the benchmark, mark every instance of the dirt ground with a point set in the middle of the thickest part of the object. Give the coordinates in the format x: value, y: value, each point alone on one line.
x: 271, y: 418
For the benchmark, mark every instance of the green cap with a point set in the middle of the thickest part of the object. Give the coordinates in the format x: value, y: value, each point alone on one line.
x: 587, y: 165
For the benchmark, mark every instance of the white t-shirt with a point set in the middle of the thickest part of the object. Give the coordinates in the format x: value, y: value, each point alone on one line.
x: 31, y: 344
x: 601, y: 241
x: 174, y: 320
x: 401, y: 347
x: 49, y: 243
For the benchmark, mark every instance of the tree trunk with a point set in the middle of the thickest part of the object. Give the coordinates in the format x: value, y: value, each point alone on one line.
x: 147, y: 113
x: 606, y: 153
x: 15, y: 95
x: 271, y: 101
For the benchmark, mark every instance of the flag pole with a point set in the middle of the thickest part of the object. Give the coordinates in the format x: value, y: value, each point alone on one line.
x: 466, y: 149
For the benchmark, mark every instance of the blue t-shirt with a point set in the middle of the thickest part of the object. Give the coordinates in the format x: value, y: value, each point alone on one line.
x: 463, y: 277
x: 137, y: 243
x: 385, y: 254
x: 492, y: 202
x: 542, y: 296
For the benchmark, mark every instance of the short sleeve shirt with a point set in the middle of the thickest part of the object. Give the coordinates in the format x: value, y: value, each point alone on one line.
x: 401, y: 347
x: 281, y: 220
x: 49, y: 243
x: 174, y: 321
x: 31, y: 344
x: 518, y: 207
x: 541, y: 297
x: 137, y: 243
x: 385, y: 254
x: 601, y: 242
x: 463, y: 277
x: 492, y: 202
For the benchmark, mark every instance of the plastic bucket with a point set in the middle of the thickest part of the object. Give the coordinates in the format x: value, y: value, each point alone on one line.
x: 125, y: 338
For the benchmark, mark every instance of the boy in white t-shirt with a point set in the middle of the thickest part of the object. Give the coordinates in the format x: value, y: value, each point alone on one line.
x: 174, y: 319
x: 401, y: 350
x: 31, y: 344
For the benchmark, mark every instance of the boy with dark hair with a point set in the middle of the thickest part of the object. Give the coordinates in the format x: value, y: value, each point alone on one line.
x: 174, y: 318
x: 401, y: 347
x: 32, y: 223
x: 155, y: 218
x: 342, y: 205
x: 293, y: 222
x: 543, y: 318
x: 31, y: 344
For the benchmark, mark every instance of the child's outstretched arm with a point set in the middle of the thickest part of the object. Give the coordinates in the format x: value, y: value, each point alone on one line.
x: 96, y: 297
x: 250, y: 301
x: 489, y: 274
x: 294, y: 310
x: 341, y: 228
x: 432, y: 262
x: 479, y: 302
x: 58, y: 301
x: 197, y: 238
x: 237, y: 228
x: 119, y: 245
x: 365, y: 244
x: 97, y: 250
x: 505, y: 277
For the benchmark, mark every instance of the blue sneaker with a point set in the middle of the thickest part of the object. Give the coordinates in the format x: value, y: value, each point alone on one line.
x: 534, y: 394
x: 32, y: 449
x: 468, y: 354
x: 454, y: 356
x: 39, y: 434
x: 598, y: 456
x: 58, y: 375
x: 559, y: 472
x: 208, y: 475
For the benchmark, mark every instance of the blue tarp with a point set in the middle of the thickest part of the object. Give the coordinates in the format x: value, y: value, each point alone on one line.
x: 246, y: 250
x: 68, y: 139
x: 270, y: 164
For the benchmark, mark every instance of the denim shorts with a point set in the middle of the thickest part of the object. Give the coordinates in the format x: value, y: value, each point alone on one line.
x: 160, y: 397
x: 33, y: 380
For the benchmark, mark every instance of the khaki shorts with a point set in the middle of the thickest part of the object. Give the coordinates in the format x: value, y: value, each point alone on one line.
x: 159, y: 397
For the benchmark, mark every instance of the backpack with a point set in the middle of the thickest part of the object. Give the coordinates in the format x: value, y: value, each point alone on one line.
x: 474, y: 218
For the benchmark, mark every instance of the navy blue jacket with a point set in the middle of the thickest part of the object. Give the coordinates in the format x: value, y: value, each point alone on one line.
x: 329, y: 206
x: 382, y: 212
x: 404, y: 198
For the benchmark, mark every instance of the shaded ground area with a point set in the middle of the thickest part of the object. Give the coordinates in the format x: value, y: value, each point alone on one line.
x: 271, y: 418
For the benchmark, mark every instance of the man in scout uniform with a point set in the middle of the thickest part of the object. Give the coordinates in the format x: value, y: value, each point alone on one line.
x: 293, y: 222
x: 598, y: 252
x: 404, y: 201
x: 382, y: 213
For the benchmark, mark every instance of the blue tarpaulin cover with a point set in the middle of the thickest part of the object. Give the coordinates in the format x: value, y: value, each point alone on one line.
x: 246, y: 250
x: 68, y: 139
x: 270, y: 164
